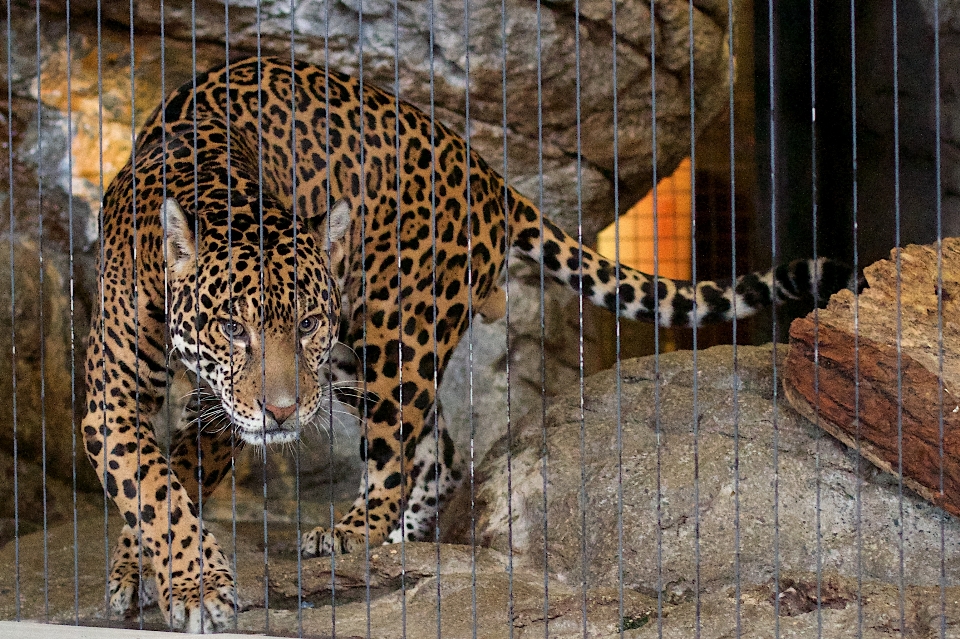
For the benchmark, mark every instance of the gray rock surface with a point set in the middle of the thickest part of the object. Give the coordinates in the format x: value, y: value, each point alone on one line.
x: 798, y: 504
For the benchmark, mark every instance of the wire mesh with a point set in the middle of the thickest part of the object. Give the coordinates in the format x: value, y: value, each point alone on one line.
x: 550, y: 505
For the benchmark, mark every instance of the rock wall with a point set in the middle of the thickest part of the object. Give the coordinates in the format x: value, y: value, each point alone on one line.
x: 432, y: 59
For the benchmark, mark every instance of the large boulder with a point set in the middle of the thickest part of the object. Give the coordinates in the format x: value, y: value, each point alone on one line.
x: 720, y: 485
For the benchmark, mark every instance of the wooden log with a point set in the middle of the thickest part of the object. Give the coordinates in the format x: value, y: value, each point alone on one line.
x: 908, y: 414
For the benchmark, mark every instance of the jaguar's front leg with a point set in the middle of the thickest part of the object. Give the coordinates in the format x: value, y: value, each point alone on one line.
x: 195, y: 586
x: 198, y: 457
x: 388, y: 452
x: 436, y: 473
x: 398, y: 400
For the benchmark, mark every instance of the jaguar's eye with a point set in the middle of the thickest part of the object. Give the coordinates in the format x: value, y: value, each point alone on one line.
x: 308, y: 325
x: 232, y: 329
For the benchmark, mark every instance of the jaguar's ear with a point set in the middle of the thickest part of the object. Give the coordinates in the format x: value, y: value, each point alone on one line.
x: 181, y: 248
x: 331, y: 229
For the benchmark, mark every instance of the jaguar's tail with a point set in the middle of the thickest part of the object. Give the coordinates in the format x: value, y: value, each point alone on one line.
x: 669, y: 302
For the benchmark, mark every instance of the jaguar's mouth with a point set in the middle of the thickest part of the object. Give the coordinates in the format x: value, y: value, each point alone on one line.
x: 260, y: 427
x: 266, y: 430
x: 268, y: 434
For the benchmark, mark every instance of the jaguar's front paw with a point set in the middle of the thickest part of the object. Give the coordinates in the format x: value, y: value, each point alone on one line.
x: 194, y: 600
x: 322, y: 542
x: 182, y: 607
x: 129, y: 573
x: 199, y: 600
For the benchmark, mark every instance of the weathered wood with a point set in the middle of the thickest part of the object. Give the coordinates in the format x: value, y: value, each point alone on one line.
x: 908, y: 414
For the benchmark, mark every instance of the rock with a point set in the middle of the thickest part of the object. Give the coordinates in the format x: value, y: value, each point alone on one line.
x: 793, y: 483
x: 451, y: 591
x: 31, y: 502
x: 50, y: 588
x: 46, y: 334
x: 841, y: 608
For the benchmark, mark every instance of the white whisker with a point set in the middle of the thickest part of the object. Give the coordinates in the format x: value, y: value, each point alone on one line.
x: 212, y: 412
x: 327, y: 420
x: 347, y: 383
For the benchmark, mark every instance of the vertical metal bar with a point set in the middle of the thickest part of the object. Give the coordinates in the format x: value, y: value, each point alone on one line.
x: 816, y: 317
x: 363, y: 296
x: 13, y: 328
x: 896, y: 208
x: 261, y: 319
x: 580, y: 355
x: 233, y: 433
x: 398, y: 214
x: 693, y: 277
x: 470, y: 334
x: 506, y: 290
x: 329, y: 204
x: 940, y: 350
x: 434, y: 336
x: 400, y: 337
x: 774, y: 324
x: 102, y: 324
x: 433, y: 284
x: 296, y: 284
x: 168, y: 404
x: 656, y: 317
x: 73, y: 344
x: 196, y: 245
x: 544, y: 448
x: 731, y: 76
x: 616, y: 314
x: 40, y: 282
x: 856, y: 318
x: 230, y: 275
x: 136, y: 319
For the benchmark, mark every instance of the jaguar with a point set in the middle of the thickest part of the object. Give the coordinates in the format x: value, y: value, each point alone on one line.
x: 281, y: 229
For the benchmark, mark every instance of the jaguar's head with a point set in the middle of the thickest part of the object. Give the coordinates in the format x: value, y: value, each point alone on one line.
x: 254, y: 310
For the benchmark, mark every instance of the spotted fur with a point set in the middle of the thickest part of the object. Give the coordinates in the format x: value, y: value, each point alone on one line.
x: 254, y: 231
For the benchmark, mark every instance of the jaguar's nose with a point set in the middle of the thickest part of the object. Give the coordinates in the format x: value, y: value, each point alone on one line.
x: 280, y: 413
